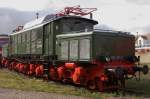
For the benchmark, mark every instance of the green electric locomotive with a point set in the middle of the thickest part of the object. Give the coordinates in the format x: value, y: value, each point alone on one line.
x: 66, y: 47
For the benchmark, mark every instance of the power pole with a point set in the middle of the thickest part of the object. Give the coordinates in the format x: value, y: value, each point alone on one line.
x: 37, y: 15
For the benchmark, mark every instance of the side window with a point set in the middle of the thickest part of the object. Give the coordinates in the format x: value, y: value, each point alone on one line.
x: 66, y: 27
x: 28, y: 36
x: 39, y: 38
x: 15, y: 39
x: 19, y: 38
x: 12, y: 40
x: 64, y: 50
x: 28, y: 42
x: 23, y: 37
x: 33, y: 35
x: 84, y: 49
x: 39, y: 33
x: 73, y: 49
x: 47, y: 30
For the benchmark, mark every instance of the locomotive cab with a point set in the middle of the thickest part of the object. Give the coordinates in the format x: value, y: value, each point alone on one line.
x: 76, y: 24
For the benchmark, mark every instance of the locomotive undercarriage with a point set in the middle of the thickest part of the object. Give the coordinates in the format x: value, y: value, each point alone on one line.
x: 97, y: 76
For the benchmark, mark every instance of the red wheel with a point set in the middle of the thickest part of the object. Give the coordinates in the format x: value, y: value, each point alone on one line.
x: 53, y: 74
x: 39, y: 71
x: 60, y: 71
x: 31, y: 69
x: 21, y: 68
x: 26, y: 68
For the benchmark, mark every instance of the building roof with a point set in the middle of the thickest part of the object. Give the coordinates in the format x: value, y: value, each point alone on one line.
x: 4, y: 36
x: 144, y: 37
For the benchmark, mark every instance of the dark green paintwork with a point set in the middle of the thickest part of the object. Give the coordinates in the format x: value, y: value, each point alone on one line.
x: 81, y: 47
x: 101, y: 44
x: 113, y: 44
x: 61, y: 46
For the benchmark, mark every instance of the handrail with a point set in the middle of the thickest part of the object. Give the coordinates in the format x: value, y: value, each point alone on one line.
x: 97, y: 30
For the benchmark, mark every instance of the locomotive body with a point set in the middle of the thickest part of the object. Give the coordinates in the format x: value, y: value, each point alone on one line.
x: 39, y: 38
x: 68, y: 49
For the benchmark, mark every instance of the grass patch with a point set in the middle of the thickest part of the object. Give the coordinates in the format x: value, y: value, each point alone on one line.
x: 142, y: 87
x: 14, y: 80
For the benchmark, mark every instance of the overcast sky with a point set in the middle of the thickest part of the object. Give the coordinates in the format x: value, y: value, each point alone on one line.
x: 126, y: 15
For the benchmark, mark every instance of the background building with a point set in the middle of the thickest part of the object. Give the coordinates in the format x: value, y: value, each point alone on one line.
x: 142, y: 47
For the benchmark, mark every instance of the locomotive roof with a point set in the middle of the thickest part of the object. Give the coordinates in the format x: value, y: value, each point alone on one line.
x: 49, y: 18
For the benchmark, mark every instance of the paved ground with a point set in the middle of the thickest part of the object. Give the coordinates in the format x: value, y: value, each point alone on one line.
x: 17, y: 94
